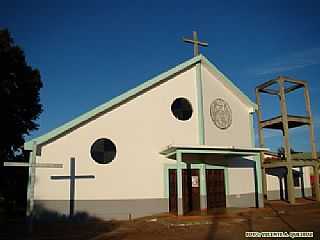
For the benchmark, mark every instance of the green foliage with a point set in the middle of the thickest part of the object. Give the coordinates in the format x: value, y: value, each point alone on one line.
x: 19, y: 97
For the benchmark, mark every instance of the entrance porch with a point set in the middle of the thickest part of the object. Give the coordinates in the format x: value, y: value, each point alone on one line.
x: 199, y: 180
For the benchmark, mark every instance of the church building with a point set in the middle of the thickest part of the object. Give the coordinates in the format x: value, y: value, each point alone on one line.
x: 180, y: 142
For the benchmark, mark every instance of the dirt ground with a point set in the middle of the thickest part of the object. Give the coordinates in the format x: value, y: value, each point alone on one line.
x: 221, y: 224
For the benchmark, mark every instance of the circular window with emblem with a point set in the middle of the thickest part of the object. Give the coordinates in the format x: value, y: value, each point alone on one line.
x: 103, y: 151
x: 221, y: 114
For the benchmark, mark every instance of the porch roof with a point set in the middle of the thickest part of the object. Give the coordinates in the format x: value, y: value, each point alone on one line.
x: 204, y: 151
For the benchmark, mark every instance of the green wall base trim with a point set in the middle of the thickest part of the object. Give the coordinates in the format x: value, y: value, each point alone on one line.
x: 119, y: 209
x: 180, y: 206
x: 203, y: 202
x: 275, y: 194
x: 244, y: 200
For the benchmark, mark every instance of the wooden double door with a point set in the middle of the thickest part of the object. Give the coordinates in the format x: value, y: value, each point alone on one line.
x: 216, y: 194
x: 190, y: 190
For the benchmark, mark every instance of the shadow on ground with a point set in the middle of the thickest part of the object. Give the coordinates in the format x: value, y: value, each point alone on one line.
x: 228, y: 224
x: 277, y: 216
x: 51, y: 225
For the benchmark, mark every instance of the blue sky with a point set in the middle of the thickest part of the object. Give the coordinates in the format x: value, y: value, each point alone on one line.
x: 91, y: 51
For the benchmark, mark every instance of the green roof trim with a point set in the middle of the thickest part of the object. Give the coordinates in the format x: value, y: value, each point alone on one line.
x: 229, y: 83
x: 132, y: 93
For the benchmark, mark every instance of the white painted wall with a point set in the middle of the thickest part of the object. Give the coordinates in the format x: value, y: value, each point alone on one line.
x: 140, y: 129
x: 241, y: 180
x: 273, y: 182
x: 306, y: 177
x: 238, y: 134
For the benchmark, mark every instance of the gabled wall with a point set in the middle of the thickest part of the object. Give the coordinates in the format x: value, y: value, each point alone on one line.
x: 238, y: 134
x: 140, y: 129
x: 240, y: 177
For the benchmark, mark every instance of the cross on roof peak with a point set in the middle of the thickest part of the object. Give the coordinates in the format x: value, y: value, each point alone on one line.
x: 196, y: 43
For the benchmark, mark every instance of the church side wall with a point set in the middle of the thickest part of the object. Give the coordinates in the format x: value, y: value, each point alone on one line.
x: 133, y: 183
x: 241, y: 187
x: 273, y: 185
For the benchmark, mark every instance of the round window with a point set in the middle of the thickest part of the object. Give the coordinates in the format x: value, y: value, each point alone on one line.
x: 103, y: 151
x: 181, y: 109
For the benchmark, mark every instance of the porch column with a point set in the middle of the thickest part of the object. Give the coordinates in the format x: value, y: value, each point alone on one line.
x: 264, y: 176
x: 291, y: 189
x: 281, y: 188
x: 203, y: 187
x: 302, y: 182
x: 179, y: 182
x: 258, y: 182
x: 264, y: 183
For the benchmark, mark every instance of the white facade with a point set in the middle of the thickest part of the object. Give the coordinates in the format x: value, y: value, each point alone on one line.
x: 238, y: 134
x: 140, y: 126
x: 139, y: 129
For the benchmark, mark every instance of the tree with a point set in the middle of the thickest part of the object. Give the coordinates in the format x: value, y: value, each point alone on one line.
x: 20, y: 108
x: 19, y: 97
